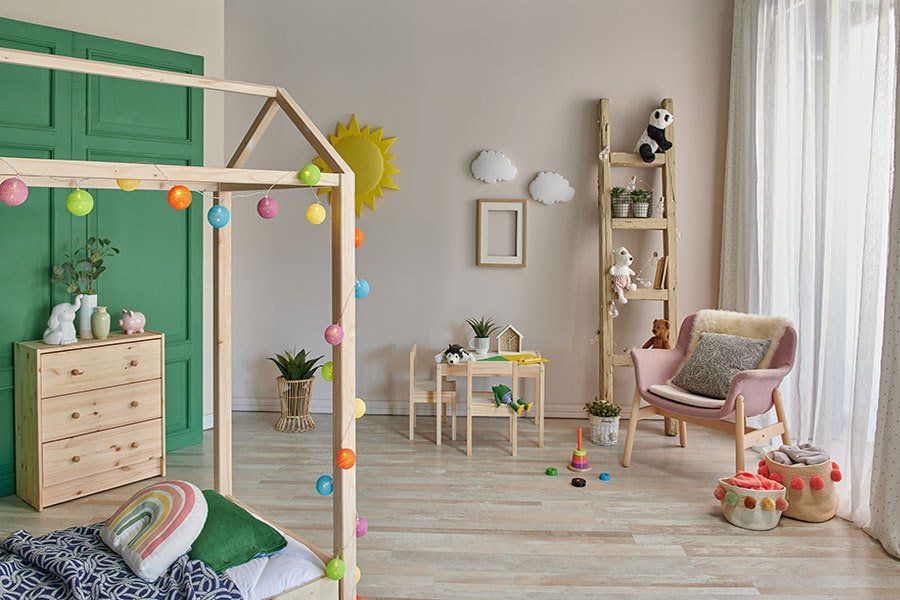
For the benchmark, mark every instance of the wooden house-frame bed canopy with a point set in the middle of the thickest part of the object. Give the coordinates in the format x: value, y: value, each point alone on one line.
x: 223, y: 181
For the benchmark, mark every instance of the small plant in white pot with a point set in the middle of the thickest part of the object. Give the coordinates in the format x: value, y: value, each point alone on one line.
x: 604, y: 418
x: 640, y: 203
x: 295, y: 390
x: 621, y: 202
x: 482, y: 328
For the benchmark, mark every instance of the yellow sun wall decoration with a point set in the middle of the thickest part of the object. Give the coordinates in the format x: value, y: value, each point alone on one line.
x: 366, y: 152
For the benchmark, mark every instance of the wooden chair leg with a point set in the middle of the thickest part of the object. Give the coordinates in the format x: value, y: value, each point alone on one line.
x: 682, y: 433
x: 513, y: 433
x: 739, y: 425
x: 469, y: 412
x: 412, y: 418
x: 632, y: 428
x: 453, y: 420
x: 779, y: 413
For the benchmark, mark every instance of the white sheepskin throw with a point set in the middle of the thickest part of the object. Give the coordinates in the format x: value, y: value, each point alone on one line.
x: 760, y: 327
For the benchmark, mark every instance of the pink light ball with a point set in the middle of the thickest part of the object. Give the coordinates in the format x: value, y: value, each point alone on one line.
x: 362, y: 526
x: 267, y: 207
x: 13, y: 191
x: 334, y: 334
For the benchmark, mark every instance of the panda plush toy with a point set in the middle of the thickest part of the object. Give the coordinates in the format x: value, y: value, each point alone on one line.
x: 653, y: 139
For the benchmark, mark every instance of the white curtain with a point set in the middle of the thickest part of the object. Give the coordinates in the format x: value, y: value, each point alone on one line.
x: 885, y: 523
x: 807, y: 198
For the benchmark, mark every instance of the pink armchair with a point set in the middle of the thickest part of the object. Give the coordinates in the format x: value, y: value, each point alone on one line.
x: 751, y: 393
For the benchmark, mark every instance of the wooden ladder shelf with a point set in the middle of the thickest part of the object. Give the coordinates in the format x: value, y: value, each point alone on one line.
x: 665, y: 224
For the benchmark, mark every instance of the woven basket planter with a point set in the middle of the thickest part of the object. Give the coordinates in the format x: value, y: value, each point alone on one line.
x: 810, y: 489
x: 640, y: 210
x: 294, y: 397
x: 759, y: 510
x: 621, y: 207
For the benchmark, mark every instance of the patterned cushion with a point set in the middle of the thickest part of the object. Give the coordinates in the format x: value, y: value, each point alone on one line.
x: 156, y: 526
x: 715, y: 361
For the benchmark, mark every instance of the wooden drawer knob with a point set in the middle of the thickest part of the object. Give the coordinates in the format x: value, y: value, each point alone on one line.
x: 76, y: 372
x: 76, y: 415
x: 134, y: 403
x: 133, y: 363
x: 134, y: 444
x: 76, y: 458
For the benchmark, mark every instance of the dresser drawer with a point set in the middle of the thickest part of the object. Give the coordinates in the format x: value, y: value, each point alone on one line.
x: 86, y: 412
x: 103, y: 366
x: 93, y: 453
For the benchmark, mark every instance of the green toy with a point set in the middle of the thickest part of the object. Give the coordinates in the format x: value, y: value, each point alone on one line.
x: 503, y: 395
x: 551, y: 471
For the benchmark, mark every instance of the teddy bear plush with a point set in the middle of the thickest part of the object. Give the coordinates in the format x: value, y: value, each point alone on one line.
x: 660, y: 339
x: 620, y: 273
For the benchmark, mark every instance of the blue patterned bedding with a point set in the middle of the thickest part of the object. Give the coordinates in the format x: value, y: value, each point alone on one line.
x: 74, y: 564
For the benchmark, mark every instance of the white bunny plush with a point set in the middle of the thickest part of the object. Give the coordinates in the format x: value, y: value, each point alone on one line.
x: 61, y: 324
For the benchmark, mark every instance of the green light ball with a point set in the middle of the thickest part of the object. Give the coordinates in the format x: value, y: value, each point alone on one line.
x: 310, y: 174
x: 335, y: 569
x: 79, y: 202
x: 328, y: 371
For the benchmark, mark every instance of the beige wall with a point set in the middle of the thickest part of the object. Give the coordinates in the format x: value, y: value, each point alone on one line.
x: 195, y: 27
x: 450, y: 79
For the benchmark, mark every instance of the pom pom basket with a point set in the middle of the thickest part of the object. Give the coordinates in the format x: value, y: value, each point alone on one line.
x: 806, y: 502
x: 750, y: 509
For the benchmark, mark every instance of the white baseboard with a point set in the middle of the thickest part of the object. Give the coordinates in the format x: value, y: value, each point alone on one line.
x: 207, y: 422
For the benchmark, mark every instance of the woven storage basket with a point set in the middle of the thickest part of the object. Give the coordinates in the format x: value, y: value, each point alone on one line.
x: 810, y: 488
x: 294, y: 397
x: 750, y: 509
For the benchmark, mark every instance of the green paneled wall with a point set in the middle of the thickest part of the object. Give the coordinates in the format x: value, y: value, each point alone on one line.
x: 46, y: 114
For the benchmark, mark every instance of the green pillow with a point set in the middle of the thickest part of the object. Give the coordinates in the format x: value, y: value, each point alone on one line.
x: 232, y: 536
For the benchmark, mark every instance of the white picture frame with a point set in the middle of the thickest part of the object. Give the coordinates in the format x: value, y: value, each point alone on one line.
x: 485, y: 255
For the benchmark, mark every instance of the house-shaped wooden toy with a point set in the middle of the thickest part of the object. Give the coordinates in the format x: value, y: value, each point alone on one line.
x: 509, y: 340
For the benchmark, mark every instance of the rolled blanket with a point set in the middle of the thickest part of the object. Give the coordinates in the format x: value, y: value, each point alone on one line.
x: 804, y: 454
x: 752, y: 481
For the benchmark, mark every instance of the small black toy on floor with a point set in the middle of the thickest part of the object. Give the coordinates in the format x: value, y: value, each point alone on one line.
x: 653, y: 139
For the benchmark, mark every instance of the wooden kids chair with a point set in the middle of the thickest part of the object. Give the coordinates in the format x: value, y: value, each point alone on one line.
x: 481, y: 404
x: 423, y: 392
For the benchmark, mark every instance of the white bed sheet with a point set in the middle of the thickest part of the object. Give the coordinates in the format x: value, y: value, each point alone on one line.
x: 266, y: 576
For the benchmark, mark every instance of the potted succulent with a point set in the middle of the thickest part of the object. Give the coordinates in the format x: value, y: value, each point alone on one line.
x: 79, y: 275
x: 604, y: 418
x: 621, y: 202
x: 482, y: 328
x: 295, y: 390
x: 640, y: 203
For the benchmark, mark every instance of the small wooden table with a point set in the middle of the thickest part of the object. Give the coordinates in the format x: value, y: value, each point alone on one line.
x: 495, y: 369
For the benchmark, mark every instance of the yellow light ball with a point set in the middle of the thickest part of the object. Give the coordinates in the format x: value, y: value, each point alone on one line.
x: 358, y: 574
x: 79, y: 202
x: 360, y: 408
x: 128, y: 185
x: 315, y: 214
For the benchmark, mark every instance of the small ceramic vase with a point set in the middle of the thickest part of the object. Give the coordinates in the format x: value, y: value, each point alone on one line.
x: 100, y: 323
x: 88, y: 304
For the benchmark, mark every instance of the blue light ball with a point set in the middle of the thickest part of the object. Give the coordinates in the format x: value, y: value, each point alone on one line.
x: 361, y: 288
x: 218, y: 216
x: 325, y: 485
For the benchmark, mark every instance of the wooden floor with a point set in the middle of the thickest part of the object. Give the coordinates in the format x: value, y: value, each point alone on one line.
x: 495, y: 527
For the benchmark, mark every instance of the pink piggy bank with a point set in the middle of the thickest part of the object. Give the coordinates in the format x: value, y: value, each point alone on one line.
x: 132, y: 321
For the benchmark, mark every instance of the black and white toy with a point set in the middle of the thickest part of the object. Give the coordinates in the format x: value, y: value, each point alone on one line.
x: 453, y: 354
x: 653, y: 139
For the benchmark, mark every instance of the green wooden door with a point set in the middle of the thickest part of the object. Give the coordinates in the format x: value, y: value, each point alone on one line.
x: 61, y: 115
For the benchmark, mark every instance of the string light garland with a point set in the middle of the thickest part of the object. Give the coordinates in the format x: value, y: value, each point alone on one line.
x: 128, y: 185
x: 218, y: 216
x: 325, y: 485
x: 328, y: 371
x: 267, y: 207
x: 360, y: 237
x: 336, y: 568
x: 14, y: 192
x: 179, y: 197
x: 334, y: 334
x: 361, y: 288
x: 359, y: 408
x: 346, y: 458
x: 79, y: 202
x: 315, y: 214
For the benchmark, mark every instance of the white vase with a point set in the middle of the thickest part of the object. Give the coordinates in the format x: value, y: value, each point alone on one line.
x: 88, y: 304
x: 482, y: 345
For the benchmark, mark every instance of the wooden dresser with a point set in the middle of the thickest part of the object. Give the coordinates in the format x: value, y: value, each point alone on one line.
x: 89, y: 416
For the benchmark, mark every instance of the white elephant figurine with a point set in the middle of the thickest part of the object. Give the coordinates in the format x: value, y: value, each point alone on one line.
x: 61, y: 324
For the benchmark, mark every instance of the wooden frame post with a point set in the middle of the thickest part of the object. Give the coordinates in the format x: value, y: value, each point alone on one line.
x: 222, y: 462
x: 343, y: 310
x: 604, y: 176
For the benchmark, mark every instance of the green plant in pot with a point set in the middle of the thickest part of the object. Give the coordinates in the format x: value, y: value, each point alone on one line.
x: 604, y: 418
x: 640, y: 203
x: 621, y: 202
x: 79, y: 274
x: 295, y: 386
x: 482, y: 328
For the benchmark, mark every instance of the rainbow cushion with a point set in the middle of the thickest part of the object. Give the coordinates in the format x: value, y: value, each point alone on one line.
x: 156, y: 526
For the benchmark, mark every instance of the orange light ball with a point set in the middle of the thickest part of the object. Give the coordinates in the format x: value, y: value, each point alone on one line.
x: 179, y: 197
x: 346, y: 458
x: 360, y: 237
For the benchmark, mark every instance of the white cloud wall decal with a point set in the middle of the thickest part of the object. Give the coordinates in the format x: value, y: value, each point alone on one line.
x: 549, y: 188
x: 491, y: 166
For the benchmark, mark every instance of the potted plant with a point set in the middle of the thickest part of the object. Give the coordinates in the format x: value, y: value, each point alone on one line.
x: 621, y: 202
x: 79, y: 275
x: 604, y: 418
x: 482, y: 328
x: 640, y: 203
x: 295, y: 390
